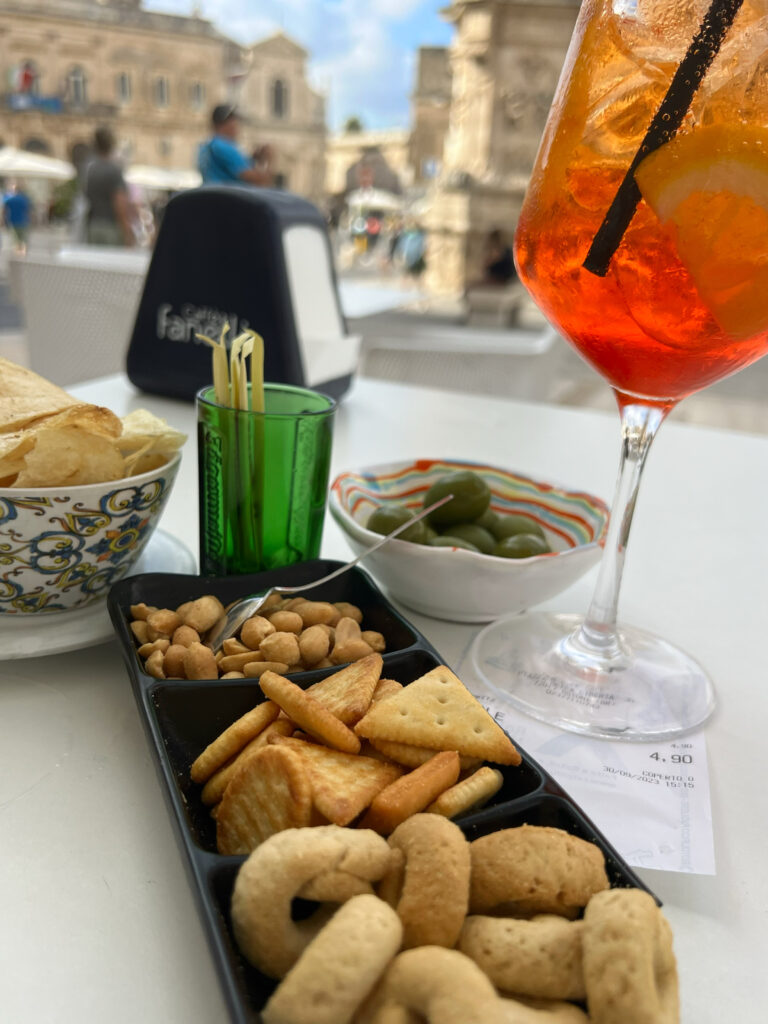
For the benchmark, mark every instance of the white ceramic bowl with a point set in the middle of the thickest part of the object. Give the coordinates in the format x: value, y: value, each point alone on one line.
x: 63, y: 547
x: 460, y: 585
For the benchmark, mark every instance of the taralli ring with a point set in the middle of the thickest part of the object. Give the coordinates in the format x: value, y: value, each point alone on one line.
x: 432, y: 898
x: 629, y: 966
x: 339, y: 967
x: 273, y: 875
x: 534, y: 870
x: 540, y: 957
x: 545, y: 1011
x: 442, y: 986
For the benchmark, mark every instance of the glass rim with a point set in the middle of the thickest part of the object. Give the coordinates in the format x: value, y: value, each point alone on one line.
x: 201, y: 399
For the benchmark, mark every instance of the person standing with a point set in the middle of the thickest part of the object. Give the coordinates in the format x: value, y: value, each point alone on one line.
x: 17, y: 210
x: 221, y: 162
x: 110, y: 210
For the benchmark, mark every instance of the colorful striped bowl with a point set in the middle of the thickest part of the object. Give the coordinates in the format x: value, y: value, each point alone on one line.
x: 459, y: 585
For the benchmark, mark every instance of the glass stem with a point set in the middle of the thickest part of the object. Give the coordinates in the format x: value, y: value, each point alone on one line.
x: 596, y: 644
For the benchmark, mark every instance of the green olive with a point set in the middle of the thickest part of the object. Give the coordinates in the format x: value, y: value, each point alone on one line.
x: 387, y: 518
x: 471, y: 497
x: 452, y: 542
x: 488, y: 520
x: 474, y: 534
x: 521, y: 545
x: 508, y: 526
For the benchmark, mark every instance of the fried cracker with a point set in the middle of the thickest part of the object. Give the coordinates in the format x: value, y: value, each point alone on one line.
x: 385, y: 688
x: 232, y: 740
x: 270, y: 793
x: 309, y: 713
x: 412, y: 792
x: 343, y: 785
x: 348, y: 693
x: 471, y: 792
x: 412, y: 757
x: 214, y: 788
x: 439, y: 712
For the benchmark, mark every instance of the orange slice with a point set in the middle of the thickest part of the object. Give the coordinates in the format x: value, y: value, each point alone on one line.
x: 710, y: 189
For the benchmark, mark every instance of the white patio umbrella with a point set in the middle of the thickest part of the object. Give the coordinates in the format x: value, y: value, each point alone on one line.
x: 374, y: 199
x: 171, y: 179
x: 23, y: 164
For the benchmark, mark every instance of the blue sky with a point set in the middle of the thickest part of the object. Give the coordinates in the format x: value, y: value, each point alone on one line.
x: 362, y: 51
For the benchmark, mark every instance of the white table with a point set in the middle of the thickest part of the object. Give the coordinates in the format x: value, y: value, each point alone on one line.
x: 98, y: 922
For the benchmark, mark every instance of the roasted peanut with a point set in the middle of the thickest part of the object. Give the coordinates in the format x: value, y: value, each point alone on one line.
x: 140, y: 630
x: 273, y: 603
x: 350, y: 650
x: 292, y: 603
x: 287, y: 622
x: 155, y: 645
x: 254, y: 630
x: 254, y: 669
x: 141, y: 611
x: 282, y: 647
x: 314, y: 644
x: 349, y: 611
x: 173, y: 663
x: 232, y: 646
x: 374, y: 640
x: 199, y: 663
x: 233, y: 675
x: 185, y: 636
x: 164, y: 620
x: 203, y: 613
x: 235, y: 662
x: 346, y: 629
x: 315, y: 612
x: 153, y: 666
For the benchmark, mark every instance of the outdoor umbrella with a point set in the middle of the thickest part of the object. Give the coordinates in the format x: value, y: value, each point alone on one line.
x: 23, y: 164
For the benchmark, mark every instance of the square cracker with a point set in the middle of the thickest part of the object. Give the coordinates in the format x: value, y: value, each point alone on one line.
x: 270, y: 793
x: 437, y: 711
x: 343, y: 785
x: 348, y: 693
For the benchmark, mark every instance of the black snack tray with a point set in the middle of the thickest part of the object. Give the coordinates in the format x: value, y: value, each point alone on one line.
x: 181, y: 717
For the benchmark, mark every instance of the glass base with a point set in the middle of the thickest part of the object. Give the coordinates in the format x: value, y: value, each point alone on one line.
x: 644, y: 688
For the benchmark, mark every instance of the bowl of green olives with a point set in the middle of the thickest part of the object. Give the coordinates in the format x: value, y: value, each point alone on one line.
x: 503, y: 543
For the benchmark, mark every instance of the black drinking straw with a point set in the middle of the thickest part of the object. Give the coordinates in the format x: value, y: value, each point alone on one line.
x: 686, y: 80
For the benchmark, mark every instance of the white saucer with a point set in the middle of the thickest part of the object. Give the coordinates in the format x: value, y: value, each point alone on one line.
x: 27, y: 636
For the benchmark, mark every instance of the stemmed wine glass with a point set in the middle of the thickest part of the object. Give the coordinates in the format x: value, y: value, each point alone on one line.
x: 644, y: 238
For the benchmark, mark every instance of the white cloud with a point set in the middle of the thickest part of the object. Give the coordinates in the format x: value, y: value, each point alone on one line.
x: 358, y: 58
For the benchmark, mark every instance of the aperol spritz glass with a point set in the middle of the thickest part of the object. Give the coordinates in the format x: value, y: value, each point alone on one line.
x: 644, y: 238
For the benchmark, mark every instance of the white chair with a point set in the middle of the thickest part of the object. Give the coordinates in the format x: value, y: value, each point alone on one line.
x: 79, y: 308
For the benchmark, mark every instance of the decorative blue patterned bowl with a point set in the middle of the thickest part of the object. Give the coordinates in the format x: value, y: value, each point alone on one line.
x: 63, y: 547
x: 465, y: 586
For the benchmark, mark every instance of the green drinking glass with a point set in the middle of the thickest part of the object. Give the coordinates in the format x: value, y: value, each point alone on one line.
x: 263, y: 479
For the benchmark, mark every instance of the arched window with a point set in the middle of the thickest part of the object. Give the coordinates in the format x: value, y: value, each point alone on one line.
x: 279, y: 98
x: 77, y: 86
x: 123, y: 87
x: 162, y: 91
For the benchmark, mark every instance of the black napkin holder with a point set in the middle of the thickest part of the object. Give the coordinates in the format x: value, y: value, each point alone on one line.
x: 252, y: 257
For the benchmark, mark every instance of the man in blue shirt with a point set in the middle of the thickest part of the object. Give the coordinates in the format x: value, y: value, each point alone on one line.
x: 16, y: 211
x: 220, y: 161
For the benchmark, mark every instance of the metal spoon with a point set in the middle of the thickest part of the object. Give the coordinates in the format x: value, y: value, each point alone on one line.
x: 234, y: 617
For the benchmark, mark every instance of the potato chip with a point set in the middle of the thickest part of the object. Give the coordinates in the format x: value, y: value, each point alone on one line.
x: 348, y: 693
x: 69, y: 456
x: 26, y: 397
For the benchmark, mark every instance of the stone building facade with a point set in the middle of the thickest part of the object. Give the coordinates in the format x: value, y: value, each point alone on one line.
x: 430, y: 113
x: 505, y: 61
x: 69, y: 66
x: 360, y: 159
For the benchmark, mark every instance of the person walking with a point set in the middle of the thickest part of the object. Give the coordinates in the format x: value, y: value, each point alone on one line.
x: 17, y: 211
x: 221, y: 162
x: 110, y: 210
